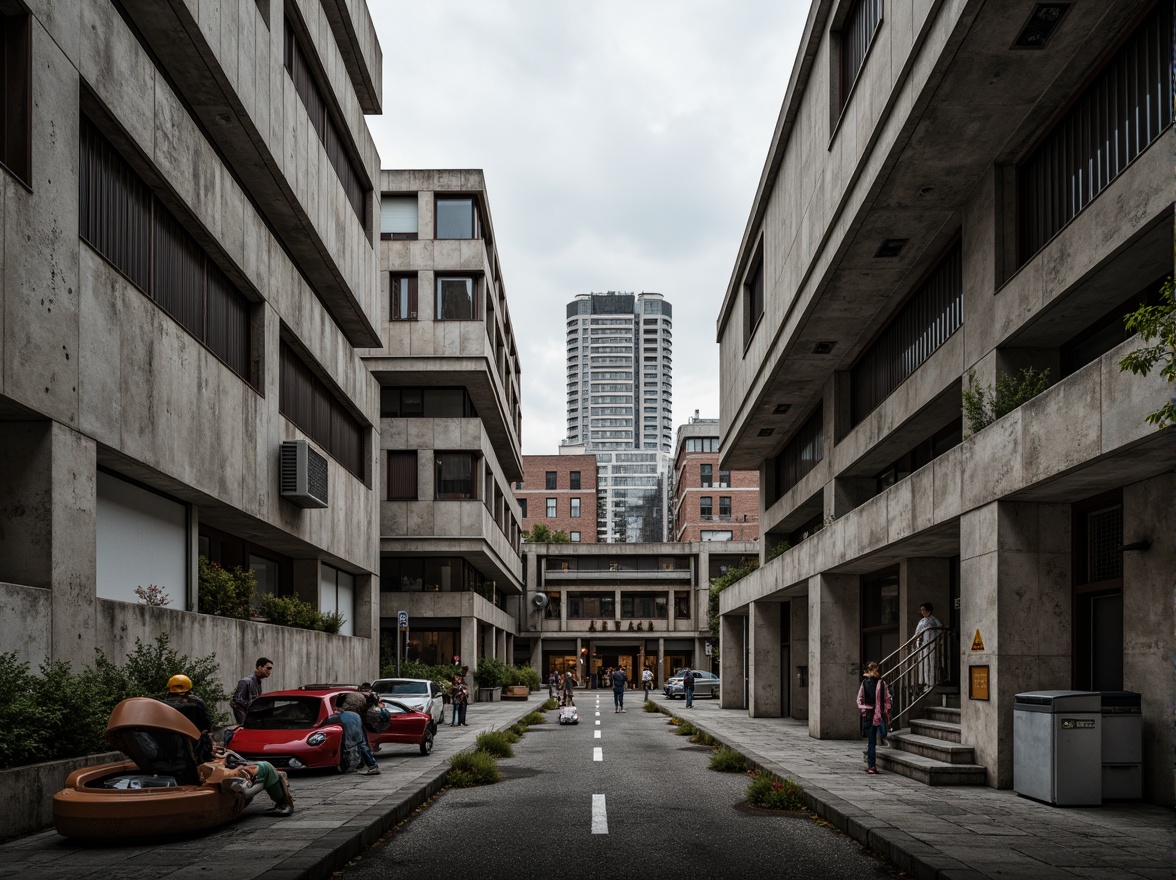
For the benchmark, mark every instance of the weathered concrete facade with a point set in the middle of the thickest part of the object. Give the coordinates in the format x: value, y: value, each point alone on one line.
x: 449, y: 375
x: 118, y: 417
x: 914, y: 177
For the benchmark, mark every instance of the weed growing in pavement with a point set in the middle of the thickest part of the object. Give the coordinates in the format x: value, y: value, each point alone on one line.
x: 496, y: 743
x: 703, y: 738
x: 510, y: 736
x: 770, y: 793
x: 727, y: 760
x: 549, y: 704
x: 650, y: 706
x: 469, y: 769
x: 685, y: 728
x: 518, y: 728
x: 535, y: 718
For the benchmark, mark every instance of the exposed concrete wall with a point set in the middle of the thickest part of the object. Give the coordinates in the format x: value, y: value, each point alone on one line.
x: 732, y: 657
x: 27, y: 792
x: 25, y: 615
x: 764, y: 697
x: 834, y: 615
x: 798, y: 609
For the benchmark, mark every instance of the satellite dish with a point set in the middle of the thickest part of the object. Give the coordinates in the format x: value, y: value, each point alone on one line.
x: 539, y: 601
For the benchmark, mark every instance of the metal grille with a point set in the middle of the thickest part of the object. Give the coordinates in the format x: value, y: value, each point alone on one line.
x: 801, y: 454
x: 928, y: 319
x: 1104, y: 538
x: 1119, y: 114
x: 856, y: 36
x: 306, y: 401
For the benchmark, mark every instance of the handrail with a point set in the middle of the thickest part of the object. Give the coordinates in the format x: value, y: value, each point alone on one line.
x: 916, y: 668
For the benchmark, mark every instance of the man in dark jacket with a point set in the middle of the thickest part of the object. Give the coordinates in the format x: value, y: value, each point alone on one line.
x: 619, y: 681
x: 688, y: 688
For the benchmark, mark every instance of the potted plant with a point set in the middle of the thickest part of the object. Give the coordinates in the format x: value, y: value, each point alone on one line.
x: 489, y: 677
x: 521, y: 680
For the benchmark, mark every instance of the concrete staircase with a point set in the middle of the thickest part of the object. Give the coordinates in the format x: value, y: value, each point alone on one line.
x: 931, y: 751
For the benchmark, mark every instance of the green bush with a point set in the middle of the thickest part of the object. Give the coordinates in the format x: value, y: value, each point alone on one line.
x: 685, y: 728
x: 770, y: 793
x: 536, y: 718
x: 727, y: 760
x: 295, y: 612
x: 983, y: 406
x: 548, y: 704
x: 518, y: 729
x: 468, y: 769
x: 224, y: 592
x: 702, y: 738
x: 650, y: 706
x: 491, y: 673
x: 496, y: 743
x: 522, y: 675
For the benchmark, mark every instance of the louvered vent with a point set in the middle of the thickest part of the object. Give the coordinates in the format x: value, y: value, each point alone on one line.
x: 303, y: 477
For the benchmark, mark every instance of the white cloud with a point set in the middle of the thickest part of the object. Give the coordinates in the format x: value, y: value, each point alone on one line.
x: 622, y: 143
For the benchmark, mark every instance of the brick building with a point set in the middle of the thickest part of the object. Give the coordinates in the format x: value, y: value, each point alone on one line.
x: 559, y: 491
x: 710, y: 504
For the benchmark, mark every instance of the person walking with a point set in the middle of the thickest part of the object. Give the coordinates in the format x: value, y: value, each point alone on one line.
x: 460, y: 695
x: 688, y: 688
x: 552, y: 684
x: 569, y: 685
x: 249, y: 688
x: 619, y: 682
x: 647, y: 681
x: 873, y: 702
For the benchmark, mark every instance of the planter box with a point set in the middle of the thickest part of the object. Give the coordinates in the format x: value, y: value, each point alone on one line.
x: 516, y: 692
x: 489, y: 695
x: 27, y: 792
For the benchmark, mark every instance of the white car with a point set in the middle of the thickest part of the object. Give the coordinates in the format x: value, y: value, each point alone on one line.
x: 706, y: 684
x: 416, y: 693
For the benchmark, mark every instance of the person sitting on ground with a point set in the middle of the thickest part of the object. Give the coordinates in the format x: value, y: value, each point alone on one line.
x: 260, y: 776
x: 180, y: 697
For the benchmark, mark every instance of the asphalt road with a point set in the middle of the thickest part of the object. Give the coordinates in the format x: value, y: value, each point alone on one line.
x: 645, y: 805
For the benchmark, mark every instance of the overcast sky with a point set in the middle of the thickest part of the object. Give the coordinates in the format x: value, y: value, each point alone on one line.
x: 622, y: 142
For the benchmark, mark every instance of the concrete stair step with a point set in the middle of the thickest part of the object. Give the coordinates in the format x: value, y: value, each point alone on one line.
x: 927, y: 770
x: 944, y: 713
x: 949, y: 752
x: 944, y: 730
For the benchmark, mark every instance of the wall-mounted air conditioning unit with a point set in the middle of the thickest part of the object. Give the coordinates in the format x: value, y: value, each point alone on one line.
x: 303, y: 475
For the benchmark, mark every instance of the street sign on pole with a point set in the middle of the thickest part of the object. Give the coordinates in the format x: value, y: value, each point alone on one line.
x: 402, y: 620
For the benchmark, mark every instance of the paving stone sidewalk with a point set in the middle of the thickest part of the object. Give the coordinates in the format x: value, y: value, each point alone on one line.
x: 335, y: 818
x: 947, y: 833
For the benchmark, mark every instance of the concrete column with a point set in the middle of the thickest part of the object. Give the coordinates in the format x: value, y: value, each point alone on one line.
x: 500, y: 645
x: 659, y: 679
x: 537, y: 658
x: 1149, y: 624
x: 922, y: 579
x: 1015, y: 588
x: 74, y: 546
x: 800, y: 657
x: 469, y: 642
x: 834, y: 645
x: 672, y: 616
x: 731, y: 651
x: 764, y: 694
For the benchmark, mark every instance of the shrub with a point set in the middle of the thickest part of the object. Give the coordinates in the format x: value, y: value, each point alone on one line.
x: 518, y: 729
x: 685, y: 728
x: 331, y: 622
x: 224, y: 592
x: 536, y: 717
x: 770, y: 793
x: 153, y: 595
x: 727, y: 760
x: 522, y: 675
x: 548, y: 704
x: 496, y: 743
x: 491, y: 673
x: 468, y: 769
x: 650, y: 706
x: 983, y: 406
x: 702, y: 738
x: 1157, y: 323
x: 289, y: 611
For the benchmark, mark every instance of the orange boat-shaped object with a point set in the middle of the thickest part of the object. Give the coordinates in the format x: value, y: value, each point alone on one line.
x: 160, y: 791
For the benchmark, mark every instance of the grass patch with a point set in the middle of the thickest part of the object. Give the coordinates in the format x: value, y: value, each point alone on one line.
x: 549, y: 704
x: 703, y: 738
x: 650, y: 706
x: 535, y: 718
x: 511, y: 736
x: 770, y: 793
x: 728, y: 761
x: 497, y: 743
x: 685, y: 728
x: 469, y: 769
x: 518, y: 728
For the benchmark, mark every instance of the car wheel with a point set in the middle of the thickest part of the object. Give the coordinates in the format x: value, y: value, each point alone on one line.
x: 427, y: 741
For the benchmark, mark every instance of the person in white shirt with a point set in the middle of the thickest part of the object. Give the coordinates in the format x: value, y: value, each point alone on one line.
x: 647, y: 682
x: 927, y: 636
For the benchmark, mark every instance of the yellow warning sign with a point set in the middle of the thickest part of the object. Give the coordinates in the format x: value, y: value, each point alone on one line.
x: 977, y: 642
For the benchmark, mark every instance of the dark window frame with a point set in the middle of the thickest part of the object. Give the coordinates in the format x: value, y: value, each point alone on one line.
x: 319, y: 410
x: 472, y: 481
x: 403, y: 482
x: 475, y: 216
x: 402, y: 296
x: 855, y: 38
x: 797, y: 458
x: 476, y: 284
x: 550, y: 480
x: 753, y: 297
x: 16, y: 95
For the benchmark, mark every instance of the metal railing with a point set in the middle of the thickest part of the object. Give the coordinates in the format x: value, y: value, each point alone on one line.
x: 916, y: 668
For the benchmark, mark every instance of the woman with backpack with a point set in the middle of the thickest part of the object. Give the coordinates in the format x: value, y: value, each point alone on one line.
x: 874, y: 703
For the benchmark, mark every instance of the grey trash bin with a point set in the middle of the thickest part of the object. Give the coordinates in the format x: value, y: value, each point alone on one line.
x: 1122, y: 745
x: 1057, y: 747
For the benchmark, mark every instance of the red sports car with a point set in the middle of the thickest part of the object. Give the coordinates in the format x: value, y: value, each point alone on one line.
x: 292, y: 730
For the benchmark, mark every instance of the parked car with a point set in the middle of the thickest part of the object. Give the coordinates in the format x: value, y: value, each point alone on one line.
x: 706, y: 684
x: 290, y: 729
x: 419, y: 693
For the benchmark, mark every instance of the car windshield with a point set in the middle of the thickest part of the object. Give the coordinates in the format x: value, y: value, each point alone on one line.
x: 283, y: 713
x: 418, y: 688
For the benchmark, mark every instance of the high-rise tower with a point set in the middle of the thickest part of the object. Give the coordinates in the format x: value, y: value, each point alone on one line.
x: 620, y: 400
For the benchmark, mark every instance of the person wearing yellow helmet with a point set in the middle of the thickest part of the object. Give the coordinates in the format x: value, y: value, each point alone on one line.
x: 180, y: 697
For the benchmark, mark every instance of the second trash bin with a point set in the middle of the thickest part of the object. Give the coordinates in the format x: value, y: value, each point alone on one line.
x: 1057, y: 747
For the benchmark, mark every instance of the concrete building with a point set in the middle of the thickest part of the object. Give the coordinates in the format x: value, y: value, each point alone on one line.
x: 636, y: 606
x: 450, y: 422
x: 189, y: 270
x: 958, y: 190
x: 710, y: 503
x: 559, y: 491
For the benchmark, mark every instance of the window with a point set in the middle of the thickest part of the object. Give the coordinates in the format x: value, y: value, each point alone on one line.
x: 457, y: 299
x: 574, y: 480
x: 857, y: 35
x: 704, y: 506
x: 715, y: 535
x: 702, y: 444
x: 523, y: 507
x: 802, y: 453
x: 398, y: 217
x: 551, y: 508
x: 402, y: 476
x: 457, y: 218
x: 647, y: 605
x: 575, y: 537
x: 753, y: 298
x: 16, y: 95
x: 917, y: 330
x: 322, y: 119
x: 879, y: 609
x: 1123, y: 110
x: 705, y: 475
x: 456, y: 475
x: 550, y: 478
x: 426, y: 403
x: 404, y: 298
x: 586, y: 605
x: 319, y: 411
x: 551, y: 610
x: 120, y: 218
x: 681, y: 604
x: 724, y: 505
x: 724, y: 479
x: 576, y: 507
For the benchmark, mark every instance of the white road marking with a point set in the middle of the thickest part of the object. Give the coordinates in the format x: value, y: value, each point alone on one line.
x: 597, y: 722
x: 597, y: 714
x: 598, y: 754
x: 596, y: 734
x: 599, y: 815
